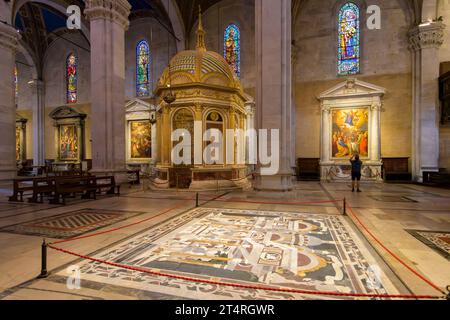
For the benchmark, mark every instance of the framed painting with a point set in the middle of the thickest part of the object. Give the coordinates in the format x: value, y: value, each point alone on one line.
x: 18, y: 144
x: 140, y: 139
x: 350, y: 132
x: 68, y: 142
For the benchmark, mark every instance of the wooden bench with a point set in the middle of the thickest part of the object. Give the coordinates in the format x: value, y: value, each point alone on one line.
x: 72, y: 186
x: 21, y: 186
x: 108, y: 183
x: 308, y: 169
x: 441, y: 179
x: 396, y: 169
x: 41, y: 187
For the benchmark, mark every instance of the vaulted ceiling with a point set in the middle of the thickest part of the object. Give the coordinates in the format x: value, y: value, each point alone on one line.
x: 189, y: 10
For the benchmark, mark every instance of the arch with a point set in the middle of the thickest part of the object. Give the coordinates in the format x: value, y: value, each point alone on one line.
x: 232, y: 47
x: 183, y: 118
x: 349, y: 34
x: 62, y: 9
x: 176, y: 20
x: 143, y: 69
x: 72, y: 78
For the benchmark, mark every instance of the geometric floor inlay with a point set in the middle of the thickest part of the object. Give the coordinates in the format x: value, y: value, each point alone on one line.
x: 70, y: 224
x: 277, y: 249
x: 392, y: 199
x: 439, y: 241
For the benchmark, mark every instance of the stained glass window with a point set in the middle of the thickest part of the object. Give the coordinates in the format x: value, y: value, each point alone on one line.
x: 232, y: 48
x: 349, y: 40
x: 16, y: 82
x: 72, y: 78
x: 142, y: 69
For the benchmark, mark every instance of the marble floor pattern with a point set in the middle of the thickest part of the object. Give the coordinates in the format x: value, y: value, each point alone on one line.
x: 244, y: 238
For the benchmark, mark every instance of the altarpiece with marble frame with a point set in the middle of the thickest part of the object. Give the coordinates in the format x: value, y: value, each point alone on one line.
x: 350, y: 125
x: 21, y: 129
x: 69, y: 135
x: 140, y: 118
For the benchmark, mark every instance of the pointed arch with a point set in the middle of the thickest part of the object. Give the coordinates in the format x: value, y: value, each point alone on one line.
x: 349, y: 33
x: 142, y: 69
x: 72, y: 78
x: 232, y: 48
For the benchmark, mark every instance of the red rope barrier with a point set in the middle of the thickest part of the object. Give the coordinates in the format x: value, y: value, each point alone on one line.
x: 241, y: 286
x: 393, y: 254
x: 281, y: 203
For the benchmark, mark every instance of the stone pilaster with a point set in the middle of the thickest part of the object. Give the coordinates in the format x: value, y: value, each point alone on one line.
x: 8, y: 45
x: 38, y: 88
x: 108, y: 23
x: 425, y: 41
x: 273, y: 86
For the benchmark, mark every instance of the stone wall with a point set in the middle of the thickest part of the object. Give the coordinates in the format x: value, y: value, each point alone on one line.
x: 386, y: 62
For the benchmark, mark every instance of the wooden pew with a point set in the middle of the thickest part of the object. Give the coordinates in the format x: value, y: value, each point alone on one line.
x: 21, y: 186
x: 396, y: 169
x: 68, y: 186
x: 42, y: 186
x: 108, y: 183
x: 441, y: 179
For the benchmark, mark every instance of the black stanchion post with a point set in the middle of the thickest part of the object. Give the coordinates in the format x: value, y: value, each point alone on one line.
x: 344, y: 208
x: 44, y: 273
x: 196, y: 200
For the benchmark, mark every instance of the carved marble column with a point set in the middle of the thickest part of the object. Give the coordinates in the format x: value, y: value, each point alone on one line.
x: 273, y: 86
x: 38, y: 88
x: 108, y: 23
x: 425, y: 41
x: 8, y: 45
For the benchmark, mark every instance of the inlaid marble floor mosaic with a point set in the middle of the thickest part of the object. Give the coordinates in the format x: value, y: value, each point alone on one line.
x: 439, y: 241
x: 251, y: 247
x: 70, y: 224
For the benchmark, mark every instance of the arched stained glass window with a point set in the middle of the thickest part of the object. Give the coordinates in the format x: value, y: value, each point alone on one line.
x: 72, y: 78
x: 16, y: 82
x: 349, y: 40
x: 142, y: 69
x: 232, y: 48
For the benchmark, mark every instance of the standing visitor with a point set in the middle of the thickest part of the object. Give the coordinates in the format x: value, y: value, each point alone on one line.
x: 356, y: 171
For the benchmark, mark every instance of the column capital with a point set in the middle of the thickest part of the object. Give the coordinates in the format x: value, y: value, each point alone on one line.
x: 9, y: 37
x: 427, y: 35
x: 113, y: 10
x: 37, y: 84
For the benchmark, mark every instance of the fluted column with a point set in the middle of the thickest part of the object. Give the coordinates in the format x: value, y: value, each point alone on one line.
x: 273, y: 86
x: 8, y: 46
x: 108, y: 23
x: 425, y: 41
x: 38, y: 88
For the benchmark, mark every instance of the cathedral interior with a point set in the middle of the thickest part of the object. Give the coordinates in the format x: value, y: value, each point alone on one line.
x: 139, y: 140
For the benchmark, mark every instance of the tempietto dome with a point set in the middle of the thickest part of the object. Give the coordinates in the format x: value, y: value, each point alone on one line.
x: 199, y: 67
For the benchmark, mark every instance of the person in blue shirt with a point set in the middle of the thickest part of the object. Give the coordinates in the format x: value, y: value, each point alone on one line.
x: 356, y: 171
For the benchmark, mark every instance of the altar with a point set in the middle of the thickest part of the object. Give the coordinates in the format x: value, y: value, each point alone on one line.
x: 351, y: 124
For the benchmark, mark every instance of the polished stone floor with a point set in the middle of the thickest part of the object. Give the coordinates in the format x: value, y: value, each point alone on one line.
x: 248, y: 238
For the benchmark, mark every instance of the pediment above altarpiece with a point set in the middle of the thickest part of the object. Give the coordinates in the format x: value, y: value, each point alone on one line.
x: 352, y: 88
